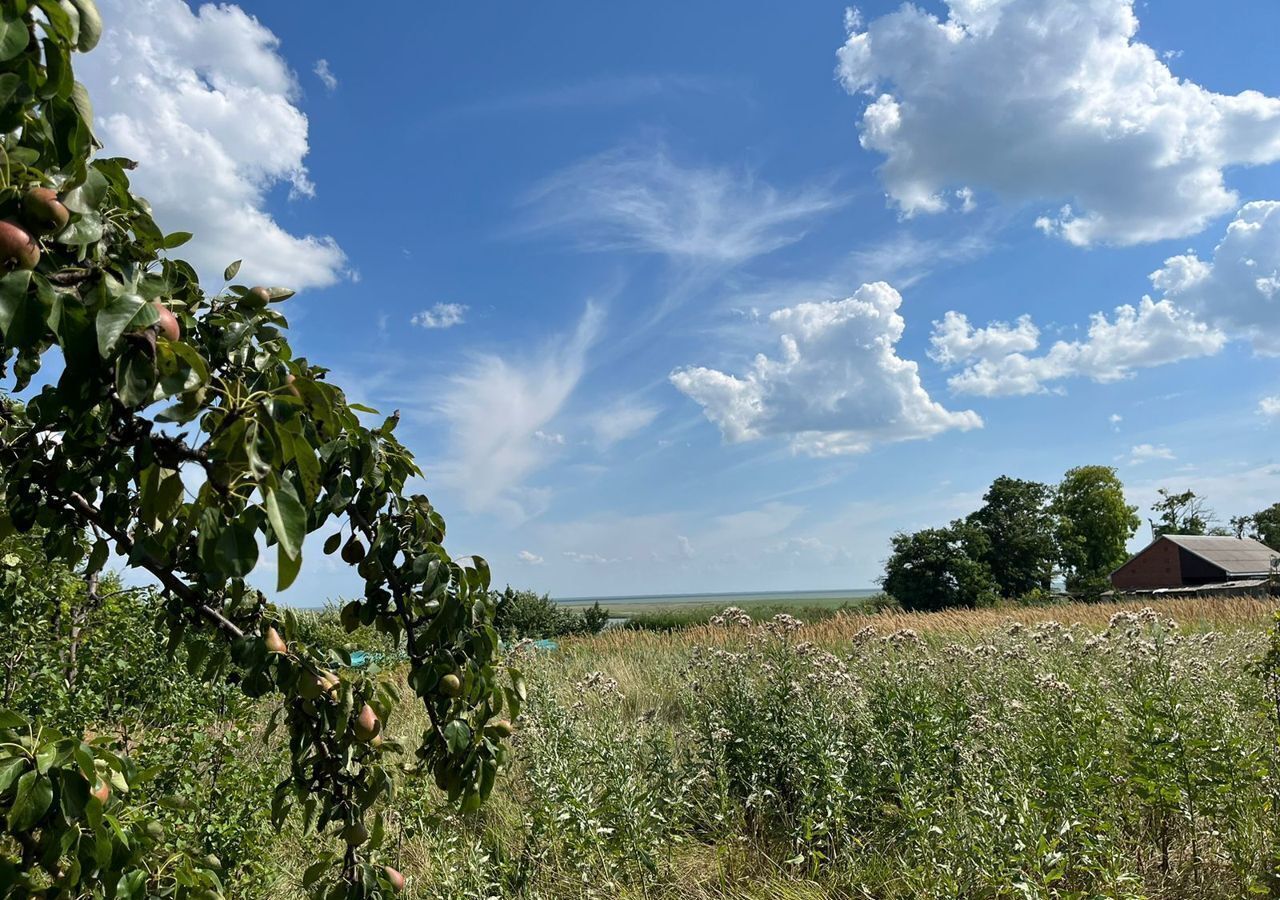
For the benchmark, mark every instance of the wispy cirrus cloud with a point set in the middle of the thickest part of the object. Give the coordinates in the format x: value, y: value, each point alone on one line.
x: 645, y: 202
x: 498, y: 409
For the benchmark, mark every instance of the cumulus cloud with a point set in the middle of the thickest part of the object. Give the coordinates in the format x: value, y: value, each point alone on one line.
x: 1270, y: 407
x: 498, y: 410
x: 838, y: 385
x: 1050, y: 101
x: 1150, y: 334
x: 206, y: 104
x: 646, y: 202
x: 529, y: 558
x: 1147, y: 452
x: 955, y: 340
x: 1239, y: 289
x: 325, y: 74
x: 442, y: 315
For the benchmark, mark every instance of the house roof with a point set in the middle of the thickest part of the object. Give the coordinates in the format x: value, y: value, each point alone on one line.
x: 1235, y: 556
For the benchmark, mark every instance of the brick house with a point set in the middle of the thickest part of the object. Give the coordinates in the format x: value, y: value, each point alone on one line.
x: 1195, y: 561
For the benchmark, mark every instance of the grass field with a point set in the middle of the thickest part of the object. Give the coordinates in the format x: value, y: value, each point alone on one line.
x: 1071, y: 751
x: 677, y: 611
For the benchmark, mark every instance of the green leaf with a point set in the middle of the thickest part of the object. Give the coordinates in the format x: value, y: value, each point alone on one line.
x: 175, y: 239
x: 135, y: 378
x: 35, y: 794
x: 114, y: 320
x: 9, y: 770
x: 86, y: 199
x: 13, y: 34
x: 231, y: 270
x: 457, y: 734
x: 236, y: 552
x: 288, y: 518
x: 287, y: 568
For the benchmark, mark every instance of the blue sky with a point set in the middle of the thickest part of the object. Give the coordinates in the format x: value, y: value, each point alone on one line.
x: 684, y: 297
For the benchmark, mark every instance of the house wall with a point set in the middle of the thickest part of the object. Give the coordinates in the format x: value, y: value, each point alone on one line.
x: 1156, y: 567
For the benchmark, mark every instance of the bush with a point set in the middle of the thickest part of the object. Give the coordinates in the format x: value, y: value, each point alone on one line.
x: 527, y: 614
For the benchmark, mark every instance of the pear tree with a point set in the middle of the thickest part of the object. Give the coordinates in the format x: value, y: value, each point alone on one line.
x: 144, y: 416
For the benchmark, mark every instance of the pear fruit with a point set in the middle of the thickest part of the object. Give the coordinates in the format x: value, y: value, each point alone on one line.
x: 367, y: 724
x: 355, y: 834
x: 167, y: 326
x: 102, y: 792
x: 451, y: 685
x: 260, y: 294
x: 353, y: 551
x: 275, y: 643
x: 43, y: 212
x: 310, y: 686
x: 502, y: 728
x: 18, y: 250
x: 394, y: 878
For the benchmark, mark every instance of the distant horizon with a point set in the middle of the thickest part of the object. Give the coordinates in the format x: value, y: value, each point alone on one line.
x: 698, y: 595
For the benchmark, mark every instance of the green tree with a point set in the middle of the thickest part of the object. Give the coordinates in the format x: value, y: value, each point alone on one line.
x: 1183, y: 513
x: 1263, y: 526
x: 1020, y: 546
x: 180, y: 430
x: 938, y: 568
x: 1094, y: 523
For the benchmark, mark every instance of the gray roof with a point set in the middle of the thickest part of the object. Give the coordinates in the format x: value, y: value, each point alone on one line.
x: 1235, y: 556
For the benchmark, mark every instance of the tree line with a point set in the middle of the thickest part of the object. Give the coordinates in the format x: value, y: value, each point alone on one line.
x: 1026, y: 533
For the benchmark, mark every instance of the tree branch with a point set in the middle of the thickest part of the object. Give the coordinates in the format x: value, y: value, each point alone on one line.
x: 171, y: 582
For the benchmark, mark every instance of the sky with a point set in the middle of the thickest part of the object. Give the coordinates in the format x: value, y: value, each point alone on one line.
x: 689, y: 298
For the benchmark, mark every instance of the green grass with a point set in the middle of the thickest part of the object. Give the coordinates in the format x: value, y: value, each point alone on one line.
x: 672, y: 617
x: 1085, y: 751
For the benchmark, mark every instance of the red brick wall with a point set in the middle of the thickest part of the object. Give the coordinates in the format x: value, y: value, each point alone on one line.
x: 1155, y: 567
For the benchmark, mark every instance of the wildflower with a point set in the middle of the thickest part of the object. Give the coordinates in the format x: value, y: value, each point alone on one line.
x: 732, y: 615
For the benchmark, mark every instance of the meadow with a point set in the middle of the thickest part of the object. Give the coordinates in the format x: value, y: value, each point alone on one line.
x: 1070, y: 751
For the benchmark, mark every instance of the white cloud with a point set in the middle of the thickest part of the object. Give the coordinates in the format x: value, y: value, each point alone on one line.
x: 550, y: 437
x: 325, y: 74
x: 593, y: 559
x: 684, y: 547
x: 955, y: 340
x: 647, y: 203
x: 807, y: 550
x: 442, y: 315
x: 620, y: 422
x: 1270, y: 407
x: 207, y: 106
x: 1044, y: 100
x: 529, y: 558
x: 1237, y: 289
x: 838, y: 386
x: 1151, y: 334
x: 1147, y: 452
x: 496, y: 409
x: 1115, y: 421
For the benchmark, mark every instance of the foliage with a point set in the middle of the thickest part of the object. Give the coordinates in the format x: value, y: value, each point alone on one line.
x: 677, y: 617
x: 1017, y: 760
x: 1263, y: 526
x: 1094, y: 523
x: 272, y: 452
x: 938, y: 568
x: 1020, y: 547
x: 1183, y: 513
x: 528, y: 614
